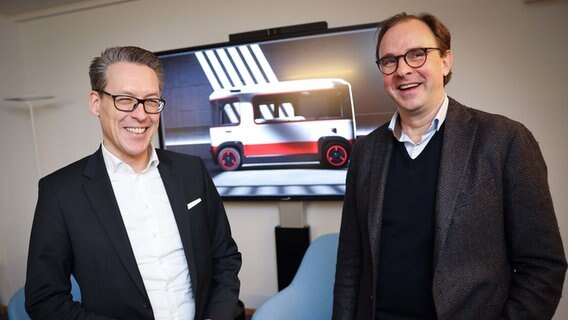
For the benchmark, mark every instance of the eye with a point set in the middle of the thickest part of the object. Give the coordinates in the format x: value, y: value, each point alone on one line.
x: 125, y: 100
x: 388, y: 61
x: 415, y: 54
x: 153, y: 105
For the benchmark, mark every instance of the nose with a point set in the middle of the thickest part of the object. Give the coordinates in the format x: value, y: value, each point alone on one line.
x: 403, y: 67
x: 139, y: 112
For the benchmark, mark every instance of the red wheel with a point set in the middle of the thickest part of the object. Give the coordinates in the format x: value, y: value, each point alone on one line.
x: 336, y: 155
x: 229, y: 159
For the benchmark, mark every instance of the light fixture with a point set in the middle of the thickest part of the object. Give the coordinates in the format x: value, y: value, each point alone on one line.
x: 28, y: 101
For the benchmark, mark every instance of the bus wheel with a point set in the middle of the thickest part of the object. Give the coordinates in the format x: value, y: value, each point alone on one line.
x: 229, y: 159
x: 336, y: 155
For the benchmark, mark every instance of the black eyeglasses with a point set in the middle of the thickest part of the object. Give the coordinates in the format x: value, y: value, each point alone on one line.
x: 129, y: 104
x: 414, y: 58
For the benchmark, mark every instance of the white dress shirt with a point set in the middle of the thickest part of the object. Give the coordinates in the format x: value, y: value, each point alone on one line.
x: 154, y: 236
x: 414, y: 149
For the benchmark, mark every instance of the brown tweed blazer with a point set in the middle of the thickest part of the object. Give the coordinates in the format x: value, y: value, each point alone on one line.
x: 497, y: 248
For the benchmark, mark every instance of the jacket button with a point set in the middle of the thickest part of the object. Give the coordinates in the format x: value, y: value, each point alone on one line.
x: 145, y: 306
x: 371, y: 297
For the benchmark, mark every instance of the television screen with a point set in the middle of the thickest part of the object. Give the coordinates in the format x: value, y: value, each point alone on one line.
x: 275, y: 117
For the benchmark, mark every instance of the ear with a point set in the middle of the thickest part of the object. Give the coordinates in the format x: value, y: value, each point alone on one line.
x: 95, y: 103
x: 447, y: 61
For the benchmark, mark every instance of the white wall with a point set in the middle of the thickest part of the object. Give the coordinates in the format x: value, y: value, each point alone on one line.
x: 16, y: 189
x: 509, y: 59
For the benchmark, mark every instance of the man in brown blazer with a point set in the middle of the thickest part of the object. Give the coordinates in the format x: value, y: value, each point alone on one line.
x: 447, y: 212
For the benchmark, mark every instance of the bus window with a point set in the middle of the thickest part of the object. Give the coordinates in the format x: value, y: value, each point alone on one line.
x: 228, y: 113
x: 274, y: 108
x: 324, y: 104
x: 266, y: 112
x: 286, y: 110
x: 305, y: 105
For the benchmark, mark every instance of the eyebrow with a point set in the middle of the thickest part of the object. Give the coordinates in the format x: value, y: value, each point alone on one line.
x: 394, y: 55
x: 148, y: 96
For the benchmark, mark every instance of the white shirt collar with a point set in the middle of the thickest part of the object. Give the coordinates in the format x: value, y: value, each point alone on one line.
x: 436, y: 122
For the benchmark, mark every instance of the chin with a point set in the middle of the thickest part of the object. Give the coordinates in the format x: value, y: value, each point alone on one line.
x: 138, y: 149
x: 409, y: 106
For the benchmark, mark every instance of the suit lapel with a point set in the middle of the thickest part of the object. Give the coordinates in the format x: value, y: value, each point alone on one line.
x: 378, y: 171
x: 100, y: 193
x: 174, y: 186
x: 459, y: 138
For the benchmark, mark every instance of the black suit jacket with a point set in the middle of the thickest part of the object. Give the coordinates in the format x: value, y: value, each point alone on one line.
x: 497, y: 248
x: 78, y: 229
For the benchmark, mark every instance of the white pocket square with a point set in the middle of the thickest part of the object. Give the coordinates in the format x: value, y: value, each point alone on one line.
x: 193, y: 203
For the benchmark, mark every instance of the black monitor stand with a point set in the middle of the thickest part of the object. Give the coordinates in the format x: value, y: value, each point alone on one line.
x: 292, y: 240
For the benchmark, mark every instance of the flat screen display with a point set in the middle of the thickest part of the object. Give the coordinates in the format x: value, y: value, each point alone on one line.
x: 275, y: 118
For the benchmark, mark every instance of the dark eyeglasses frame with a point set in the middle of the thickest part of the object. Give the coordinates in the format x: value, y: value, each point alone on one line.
x: 425, y: 50
x: 161, y: 102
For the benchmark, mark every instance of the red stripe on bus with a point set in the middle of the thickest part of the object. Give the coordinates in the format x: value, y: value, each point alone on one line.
x: 281, y: 148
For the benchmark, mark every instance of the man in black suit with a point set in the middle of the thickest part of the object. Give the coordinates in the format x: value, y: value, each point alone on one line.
x: 142, y: 230
x: 447, y: 211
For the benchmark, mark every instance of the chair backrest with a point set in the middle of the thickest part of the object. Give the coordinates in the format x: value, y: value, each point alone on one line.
x: 16, y: 309
x: 16, y: 305
x: 310, y: 294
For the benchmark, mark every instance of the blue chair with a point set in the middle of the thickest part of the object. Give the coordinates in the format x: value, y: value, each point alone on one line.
x: 16, y: 305
x: 310, y: 294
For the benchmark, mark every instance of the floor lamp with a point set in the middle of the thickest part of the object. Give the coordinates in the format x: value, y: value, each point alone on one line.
x: 28, y: 101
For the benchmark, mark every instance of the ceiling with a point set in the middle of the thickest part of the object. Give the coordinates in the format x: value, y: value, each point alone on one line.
x: 25, y: 10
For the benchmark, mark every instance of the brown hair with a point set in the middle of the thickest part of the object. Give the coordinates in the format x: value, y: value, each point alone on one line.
x: 99, y: 65
x: 440, y: 31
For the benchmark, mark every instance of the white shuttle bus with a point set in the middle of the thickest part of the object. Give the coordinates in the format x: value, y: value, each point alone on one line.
x: 295, y: 121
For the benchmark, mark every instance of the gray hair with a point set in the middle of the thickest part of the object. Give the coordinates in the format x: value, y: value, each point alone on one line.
x: 99, y: 65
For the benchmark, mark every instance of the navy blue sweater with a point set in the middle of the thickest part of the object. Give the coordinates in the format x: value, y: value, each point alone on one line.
x: 404, y: 287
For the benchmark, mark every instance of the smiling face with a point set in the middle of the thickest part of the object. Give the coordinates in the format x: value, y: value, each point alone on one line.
x: 415, y: 90
x: 127, y: 135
